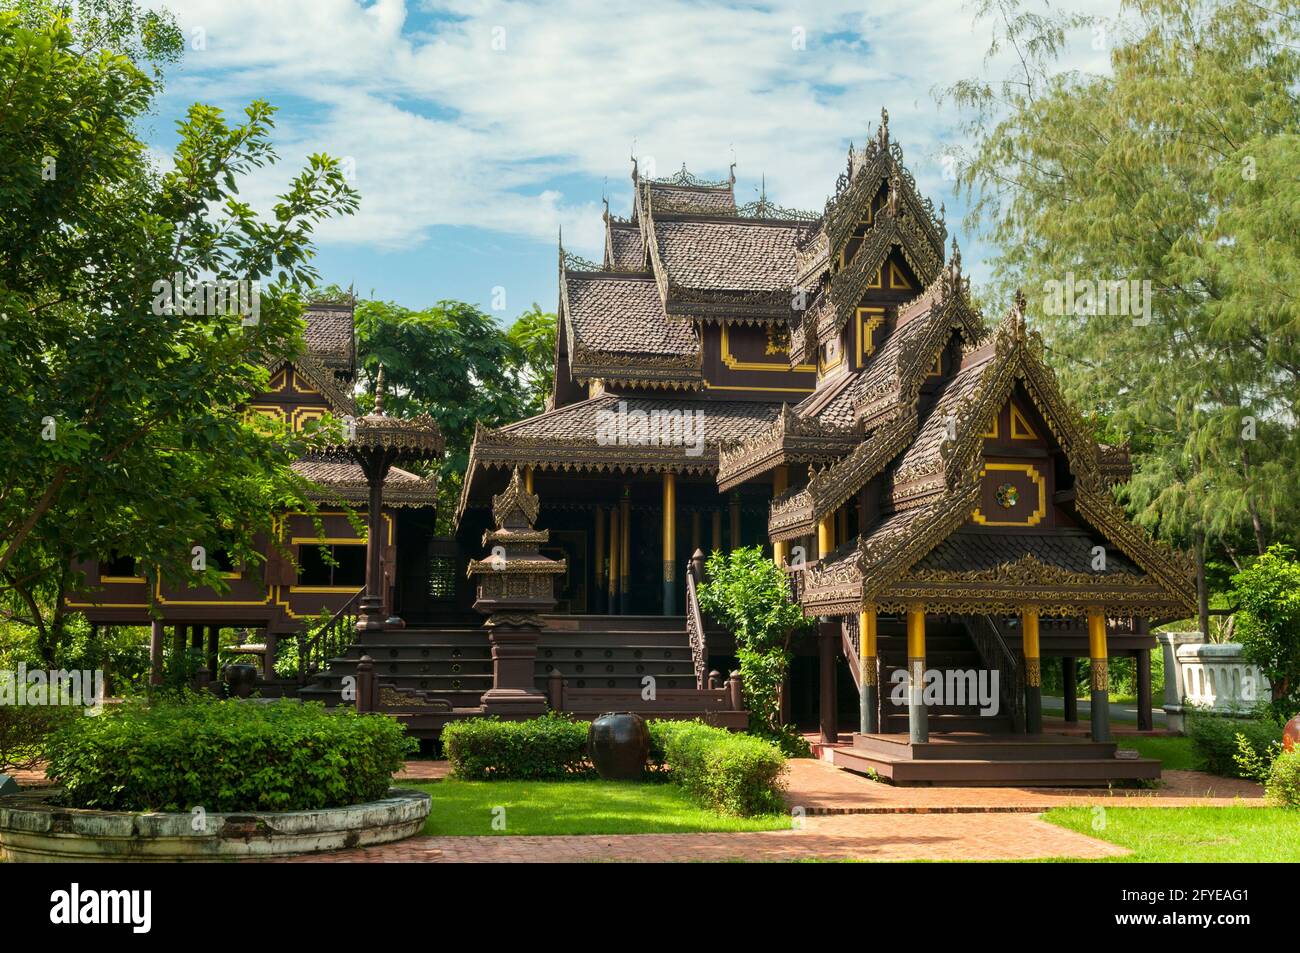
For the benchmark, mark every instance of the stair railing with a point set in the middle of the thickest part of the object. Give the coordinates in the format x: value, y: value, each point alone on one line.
x: 330, y: 640
x: 851, y: 637
x: 695, y: 633
x: 997, y: 654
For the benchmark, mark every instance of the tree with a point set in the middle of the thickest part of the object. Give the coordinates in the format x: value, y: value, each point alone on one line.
x: 748, y: 593
x: 1267, y: 594
x: 533, y: 335
x: 454, y: 362
x: 1173, y: 173
x: 126, y: 365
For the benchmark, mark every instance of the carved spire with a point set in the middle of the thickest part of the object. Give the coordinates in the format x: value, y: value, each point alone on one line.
x: 895, y: 187
x: 882, y: 131
x: 954, y: 262
x: 379, y: 392
x: 1018, y: 317
x: 635, y: 175
x: 731, y: 175
x: 514, y: 507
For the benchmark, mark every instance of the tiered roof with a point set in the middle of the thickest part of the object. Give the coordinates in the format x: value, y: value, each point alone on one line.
x: 904, y: 424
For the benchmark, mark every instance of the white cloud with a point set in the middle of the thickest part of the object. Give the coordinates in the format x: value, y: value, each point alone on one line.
x: 446, y: 130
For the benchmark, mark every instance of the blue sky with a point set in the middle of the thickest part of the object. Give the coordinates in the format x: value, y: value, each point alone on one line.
x: 478, y: 130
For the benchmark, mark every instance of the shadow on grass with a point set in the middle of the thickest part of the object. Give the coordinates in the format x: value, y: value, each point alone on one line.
x: 473, y: 808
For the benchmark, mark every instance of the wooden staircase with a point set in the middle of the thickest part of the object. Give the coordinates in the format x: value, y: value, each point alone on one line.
x: 453, y: 660
x: 948, y: 647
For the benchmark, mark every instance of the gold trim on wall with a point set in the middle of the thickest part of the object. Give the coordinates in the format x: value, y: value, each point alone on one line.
x: 1039, y: 511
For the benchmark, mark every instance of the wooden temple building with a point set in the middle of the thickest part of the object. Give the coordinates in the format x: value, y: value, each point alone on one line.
x: 731, y: 375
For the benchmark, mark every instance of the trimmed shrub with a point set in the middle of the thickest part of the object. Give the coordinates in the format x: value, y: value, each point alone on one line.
x: 226, y: 756
x: 1283, y: 784
x: 730, y: 773
x: 489, y: 749
x: 1215, y: 739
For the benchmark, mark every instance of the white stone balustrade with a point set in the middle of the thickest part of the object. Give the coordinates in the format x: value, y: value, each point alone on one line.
x: 1210, y: 676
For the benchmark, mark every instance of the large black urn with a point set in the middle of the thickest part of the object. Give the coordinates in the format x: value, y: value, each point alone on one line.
x: 618, y: 743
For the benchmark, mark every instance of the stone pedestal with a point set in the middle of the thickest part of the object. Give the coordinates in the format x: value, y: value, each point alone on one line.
x: 515, y: 584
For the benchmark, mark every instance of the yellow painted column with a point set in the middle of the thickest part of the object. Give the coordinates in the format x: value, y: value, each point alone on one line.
x: 868, y: 672
x: 1033, y: 670
x: 918, y: 720
x: 780, y: 483
x: 1100, y: 659
x: 670, y: 543
x: 614, y: 548
x: 825, y: 536
x: 528, y: 479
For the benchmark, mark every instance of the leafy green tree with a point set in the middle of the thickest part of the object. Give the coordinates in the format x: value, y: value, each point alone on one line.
x: 1267, y: 593
x: 533, y: 335
x: 123, y: 406
x: 1174, y: 168
x: 748, y: 593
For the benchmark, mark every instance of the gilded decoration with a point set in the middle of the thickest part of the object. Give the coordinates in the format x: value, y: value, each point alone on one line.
x: 1033, y: 672
x: 1100, y: 674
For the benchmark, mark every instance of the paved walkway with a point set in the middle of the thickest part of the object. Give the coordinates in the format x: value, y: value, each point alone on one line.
x: 821, y: 788
x: 848, y: 837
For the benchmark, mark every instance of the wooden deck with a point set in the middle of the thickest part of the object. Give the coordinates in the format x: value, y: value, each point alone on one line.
x: 969, y: 758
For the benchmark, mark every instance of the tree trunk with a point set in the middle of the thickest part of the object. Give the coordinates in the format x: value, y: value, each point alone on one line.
x: 1202, y: 590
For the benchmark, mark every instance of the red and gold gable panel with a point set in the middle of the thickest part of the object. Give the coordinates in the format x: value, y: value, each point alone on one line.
x: 1016, y: 424
x: 742, y: 360
x: 290, y: 399
x: 1014, y: 493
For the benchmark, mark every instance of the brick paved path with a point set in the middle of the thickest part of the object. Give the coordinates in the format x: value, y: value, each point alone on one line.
x: 845, y: 837
x: 821, y: 788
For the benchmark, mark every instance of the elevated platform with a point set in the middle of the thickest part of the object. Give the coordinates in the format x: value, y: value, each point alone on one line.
x: 976, y: 759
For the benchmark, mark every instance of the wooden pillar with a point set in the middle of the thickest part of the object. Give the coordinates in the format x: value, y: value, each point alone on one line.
x: 615, y: 544
x: 1070, y: 681
x: 734, y: 529
x: 155, y: 652
x: 600, y: 559
x: 214, y: 633
x: 717, y: 532
x: 842, y: 524
x: 825, y: 536
x: 696, y: 537
x: 625, y: 550
x: 918, y: 719
x: 178, y: 646
x: 196, y: 637
x: 780, y: 483
x: 828, y: 646
x: 670, y: 543
x: 1033, y: 671
x: 1143, y: 666
x: 868, y: 673
x: 1100, y: 680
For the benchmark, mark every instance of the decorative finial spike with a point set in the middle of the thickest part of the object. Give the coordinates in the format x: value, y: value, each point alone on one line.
x: 379, y: 391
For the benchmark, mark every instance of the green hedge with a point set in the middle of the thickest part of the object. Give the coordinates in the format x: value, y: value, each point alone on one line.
x: 489, y: 749
x: 1283, y: 785
x: 730, y: 773
x: 1215, y: 739
x: 226, y: 756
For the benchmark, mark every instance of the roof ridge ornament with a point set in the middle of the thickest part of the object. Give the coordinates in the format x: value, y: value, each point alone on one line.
x: 379, y: 391
x: 882, y: 131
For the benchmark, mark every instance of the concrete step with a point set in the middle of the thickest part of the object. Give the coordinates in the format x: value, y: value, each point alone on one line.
x: 1025, y: 772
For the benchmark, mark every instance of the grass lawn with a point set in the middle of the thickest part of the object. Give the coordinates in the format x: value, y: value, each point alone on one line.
x: 576, y: 807
x: 1191, y: 834
x: 1175, y: 752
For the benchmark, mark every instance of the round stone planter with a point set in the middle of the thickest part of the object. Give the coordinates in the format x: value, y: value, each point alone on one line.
x: 32, y: 830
